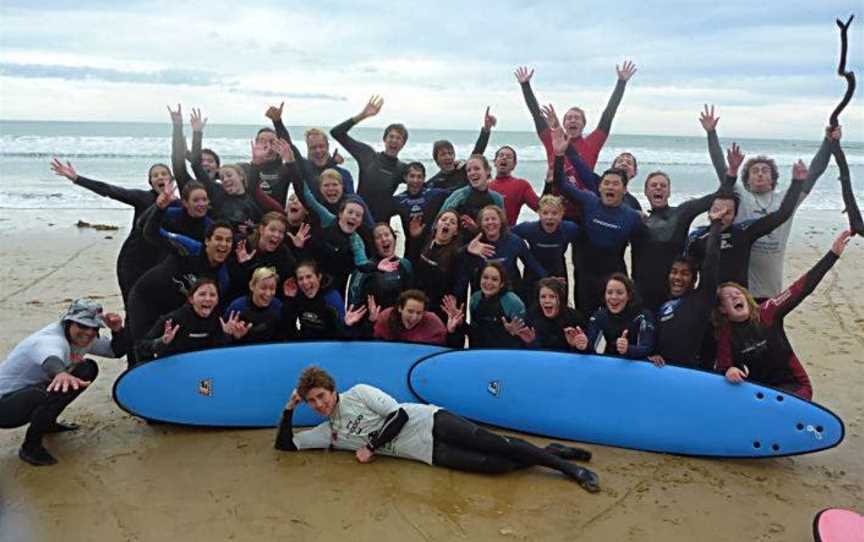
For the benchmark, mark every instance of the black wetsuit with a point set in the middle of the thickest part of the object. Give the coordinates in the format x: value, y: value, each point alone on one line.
x: 135, y: 257
x: 682, y: 322
x: 456, y: 177
x: 318, y: 318
x: 266, y: 321
x: 425, y: 204
x: 437, y: 274
x: 550, y: 331
x: 195, y: 333
x: 267, y: 176
x: 385, y: 287
x: 737, y: 240
x: 486, y: 329
x: 282, y: 259
x: 238, y: 209
x: 380, y: 174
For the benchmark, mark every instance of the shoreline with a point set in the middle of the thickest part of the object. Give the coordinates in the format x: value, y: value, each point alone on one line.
x: 121, y: 479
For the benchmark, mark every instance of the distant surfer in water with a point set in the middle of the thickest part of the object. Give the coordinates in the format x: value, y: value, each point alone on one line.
x: 367, y: 421
x: 751, y: 340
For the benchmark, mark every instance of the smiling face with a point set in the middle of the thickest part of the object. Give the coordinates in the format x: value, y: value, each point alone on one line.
x: 411, y: 313
x: 331, y: 188
x: 321, y: 400
x: 414, y: 179
x: 196, y: 203
x: 81, y: 336
x: 490, y: 223
x: 394, y: 140
x: 318, y: 149
x: 385, y: 241
x: 478, y: 175
x: 263, y: 291
x: 549, y: 302
x: 574, y: 122
x: 204, y: 299
x: 232, y: 181
x: 351, y: 217
x: 295, y: 211
x: 733, y: 304
x: 680, y: 279
x: 657, y: 191
x: 491, y: 281
x: 271, y: 235
x: 446, y: 227
x: 308, y: 281
x: 209, y: 163
x: 505, y: 162
x: 159, y: 177
x: 550, y: 217
x: 612, y: 190
x: 218, y: 245
x: 446, y: 158
x: 616, y: 296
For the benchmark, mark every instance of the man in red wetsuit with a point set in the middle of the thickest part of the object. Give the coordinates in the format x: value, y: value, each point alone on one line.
x: 517, y: 192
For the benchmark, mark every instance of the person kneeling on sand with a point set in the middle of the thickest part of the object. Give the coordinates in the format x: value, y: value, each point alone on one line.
x: 47, y: 371
x: 367, y: 421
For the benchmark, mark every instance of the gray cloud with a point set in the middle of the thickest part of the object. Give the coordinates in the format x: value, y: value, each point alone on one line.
x: 195, y: 78
x: 289, y: 95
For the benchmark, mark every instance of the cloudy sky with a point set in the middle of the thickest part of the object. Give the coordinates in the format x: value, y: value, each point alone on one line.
x: 770, y: 68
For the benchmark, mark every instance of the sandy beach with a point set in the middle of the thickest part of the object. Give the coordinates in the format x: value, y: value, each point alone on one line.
x: 122, y: 479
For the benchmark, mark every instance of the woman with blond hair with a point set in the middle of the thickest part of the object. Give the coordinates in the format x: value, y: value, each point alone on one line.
x: 259, y: 309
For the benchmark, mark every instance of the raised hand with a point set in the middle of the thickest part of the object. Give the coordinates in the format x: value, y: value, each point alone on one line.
x: 372, y: 108
x: 235, y: 327
x: 113, y: 321
x: 479, y: 248
x: 196, y: 121
x: 840, y: 243
x: 576, y: 338
x: 283, y: 148
x: 455, y: 316
x: 560, y: 142
x: 626, y: 71
x: 352, y: 315
x: 416, y: 226
x: 289, y: 287
x: 718, y: 214
x: 708, y: 120
x: 63, y: 382
x: 734, y: 159
x: 622, y: 344
x: 166, y: 196
x: 176, y: 116
x: 241, y: 254
x: 258, y: 152
x: 799, y: 171
x: 514, y: 326
x: 294, y: 400
x: 450, y: 306
x: 489, y: 120
x: 374, y: 308
x: 388, y: 265
x: 338, y: 159
x: 64, y: 170
x: 299, y: 239
x: 274, y: 113
x: 523, y: 74
x: 551, y: 117
x: 170, y: 331
x: 527, y: 334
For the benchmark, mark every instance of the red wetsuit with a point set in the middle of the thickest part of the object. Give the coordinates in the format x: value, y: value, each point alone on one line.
x: 429, y: 330
x: 764, y: 349
x: 517, y: 192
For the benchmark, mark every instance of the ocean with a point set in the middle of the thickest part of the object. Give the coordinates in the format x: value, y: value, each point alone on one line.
x: 121, y: 153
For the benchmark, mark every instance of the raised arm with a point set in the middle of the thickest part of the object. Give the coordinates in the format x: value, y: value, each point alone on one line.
x: 589, y: 178
x: 133, y: 197
x: 198, y: 123
x: 771, y: 221
x: 709, y: 122
x: 489, y: 121
x: 625, y: 72
x: 820, y: 160
x: 524, y: 75
x: 178, y: 148
x: 359, y: 150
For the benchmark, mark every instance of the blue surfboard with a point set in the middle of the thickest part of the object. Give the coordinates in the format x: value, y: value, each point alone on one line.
x: 623, y: 403
x: 247, y: 386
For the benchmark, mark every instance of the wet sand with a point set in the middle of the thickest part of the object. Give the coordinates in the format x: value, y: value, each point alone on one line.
x: 121, y: 479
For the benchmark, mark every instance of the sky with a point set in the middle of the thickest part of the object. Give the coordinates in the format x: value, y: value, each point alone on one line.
x: 769, y: 66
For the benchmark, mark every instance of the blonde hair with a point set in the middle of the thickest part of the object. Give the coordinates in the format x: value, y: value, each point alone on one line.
x: 238, y: 169
x: 263, y: 273
x: 551, y: 201
x: 331, y: 173
x: 316, y: 132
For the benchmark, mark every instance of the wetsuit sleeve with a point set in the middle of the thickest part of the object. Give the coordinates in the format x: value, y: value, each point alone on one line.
x: 178, y: 156
x: 266, y: 202
x: 570, y: 191
x: 771, y: 221
x: 334, y: 300
x: 285, y: 435
x: 595, y: 328
x: 454, y: 200
x: 692, y: 208
x: 347, y: 181
x: 715, y: 151
x: 482, y: 141
x: 817, y: 166
x: 534, y: 108
x: 133, y: 197
x: 709, y: 273
x: 590, y: 179
x: 315, y: 438
x: 202, y: 176
x: 513, y: 306
x: 393, y: 424
x: 361, y: 152
x: 608, y: 116
x: 358, y: 248
x: 530, y: 197
x: 294, y: 174
x: 115, y: 347
x: 282, y: 133
x: 780, y: 305
x: 197, y: 142
x: 643, y: 346
x: 151, y: 345
x: 528, y: 259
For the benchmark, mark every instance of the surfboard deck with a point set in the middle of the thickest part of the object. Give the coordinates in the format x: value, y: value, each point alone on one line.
x: 838, y: 525
x: 624, y: 403
x: 248, y: 386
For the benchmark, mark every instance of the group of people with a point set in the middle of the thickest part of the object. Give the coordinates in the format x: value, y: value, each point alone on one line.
x: 286, y: 247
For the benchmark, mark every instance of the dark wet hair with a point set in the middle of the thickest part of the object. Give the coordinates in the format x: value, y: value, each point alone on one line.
x: 212, y: 153
x: 616, y: 171
x: 265, y: 129
x: 395, y: 320
x: 199, y: 283
x: 312, y: 264
x: 482, y: 158
x: 761, y: 159
x: 415, y: 165
x: 154, y: 166
x: 440, y: 145
x: 350, y: 198
x: 399, y: 127
x: 628, y: 285
x: 498, y: 266
x: 558, y: 286
x: 635, y: 163
x: 728, y: 194
x: 190, y: 187
x: 515, y: 158
x: 691, y: 263
x: 215, y: 225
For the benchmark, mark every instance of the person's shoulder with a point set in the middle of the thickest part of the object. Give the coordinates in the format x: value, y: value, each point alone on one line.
x: 239, y: 304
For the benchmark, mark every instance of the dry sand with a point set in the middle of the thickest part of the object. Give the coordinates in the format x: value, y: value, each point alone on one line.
x: 121, y: 479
